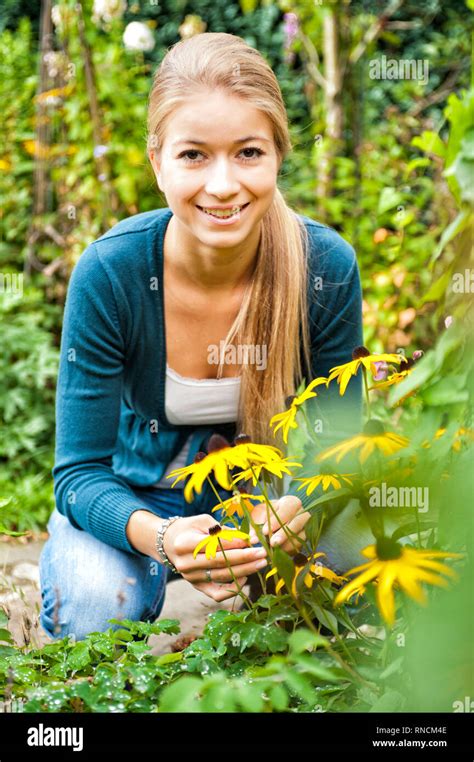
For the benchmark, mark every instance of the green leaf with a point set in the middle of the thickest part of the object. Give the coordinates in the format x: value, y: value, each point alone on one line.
x: 392, y: 668
x: 10, y: 533
x: 439, y: 287
x: 278, y: 697
x: 284, y: 565
x: 219, y: 697
x: 139, y: 649
x: 104, y: 646
x: 430, y: 142
x: 454, y: 228
x: 331, y: 496
x: 426, y: 368
x: 3, y: 618
x: 392, y: 701
x: 447, y: 391
x: 248, y: 6
x: 79, y: 656
x: 182, y: 695
x: 59, y: 670
x: 271, y: 638
x: 170, y: 658
x: 249, y: 696
x: 6, y: 636
x: 408, y: 529
x: 302, y: 639
x: 312, y: 530
x: 326, y: 617
x: 245, y: 524
x: 389, y: 199
x: 415, y: 163
x: 312, y: 665
x: 300, y: 685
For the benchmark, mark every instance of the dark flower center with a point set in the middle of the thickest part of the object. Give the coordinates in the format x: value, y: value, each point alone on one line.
x: 199, y: 456
x: 326, y: 469
x: 407, y: 363
x: 217, y: 442
x: 374, y: 428
x: 359, y: 352
x: 290, y: 399
x: 387, y: 549
x: 242, y: 439
x: 215, y: 529
x: 300, y: 560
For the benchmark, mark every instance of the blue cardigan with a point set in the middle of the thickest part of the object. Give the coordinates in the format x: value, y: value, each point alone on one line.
x: 111, y: 429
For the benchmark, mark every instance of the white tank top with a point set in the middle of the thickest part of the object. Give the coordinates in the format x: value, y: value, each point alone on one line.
x: 195, y: 401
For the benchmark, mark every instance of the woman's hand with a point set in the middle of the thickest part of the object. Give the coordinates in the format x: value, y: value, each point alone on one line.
x: 289, y: 512
x: 179, y: 542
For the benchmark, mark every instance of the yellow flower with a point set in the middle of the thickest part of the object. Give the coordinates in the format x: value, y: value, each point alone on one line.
x: 360, y: 356
x: 462, y: 433
x: 326, y: 479
x: 394, y: 378
x: 393, y: 565
x: 310, y: 571
x: 217, y: 533
x: 34, y: 148
x: 221, y: 459
x: 286, y: 420
x: 234, y: 504
x: 54, y: 94
x: 277, y: 468
x: 374, y: 437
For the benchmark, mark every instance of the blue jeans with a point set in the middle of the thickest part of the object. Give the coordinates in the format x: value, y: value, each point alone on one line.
x: 85, y: 582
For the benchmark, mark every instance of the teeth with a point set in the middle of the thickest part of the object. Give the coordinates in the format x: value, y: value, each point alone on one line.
x: 222, y: 212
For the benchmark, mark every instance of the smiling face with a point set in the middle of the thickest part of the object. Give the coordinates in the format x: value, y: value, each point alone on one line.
x: 207, y: 163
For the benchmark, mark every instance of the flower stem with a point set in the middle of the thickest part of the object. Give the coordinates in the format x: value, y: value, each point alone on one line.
x: 289, y: 533
x: 239, y: 587
x: 346, y: 667
x: 310, y: 429
x: 238, y: 526
x: 366, y: 387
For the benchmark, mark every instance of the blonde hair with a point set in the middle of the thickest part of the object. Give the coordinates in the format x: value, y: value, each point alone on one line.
x: 274, y: 311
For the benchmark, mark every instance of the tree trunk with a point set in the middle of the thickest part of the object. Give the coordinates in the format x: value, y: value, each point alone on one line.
x: 333, y: 106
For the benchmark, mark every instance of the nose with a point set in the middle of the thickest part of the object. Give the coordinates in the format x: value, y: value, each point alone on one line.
x: 221, y: 180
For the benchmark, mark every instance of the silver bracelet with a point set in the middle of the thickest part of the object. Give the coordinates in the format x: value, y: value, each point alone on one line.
x: 159, y: 542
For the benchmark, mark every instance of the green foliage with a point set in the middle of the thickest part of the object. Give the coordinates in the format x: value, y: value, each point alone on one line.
x: 28, y: 367
x: 237, y: 665
x: 18, y: 55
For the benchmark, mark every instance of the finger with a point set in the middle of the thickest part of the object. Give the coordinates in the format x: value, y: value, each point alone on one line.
x: 294, y: 546
x: 296, y: 526
x: 289, y: 508
x: 220, y: 592
x: 260, y: 517
x: 259, y: 512
x: 219, y: 575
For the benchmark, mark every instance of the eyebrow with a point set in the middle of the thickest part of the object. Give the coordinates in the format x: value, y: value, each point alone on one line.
x: 203, y: 143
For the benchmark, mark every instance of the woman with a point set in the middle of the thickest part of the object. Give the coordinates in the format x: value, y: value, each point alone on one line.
x: 149, y: 307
